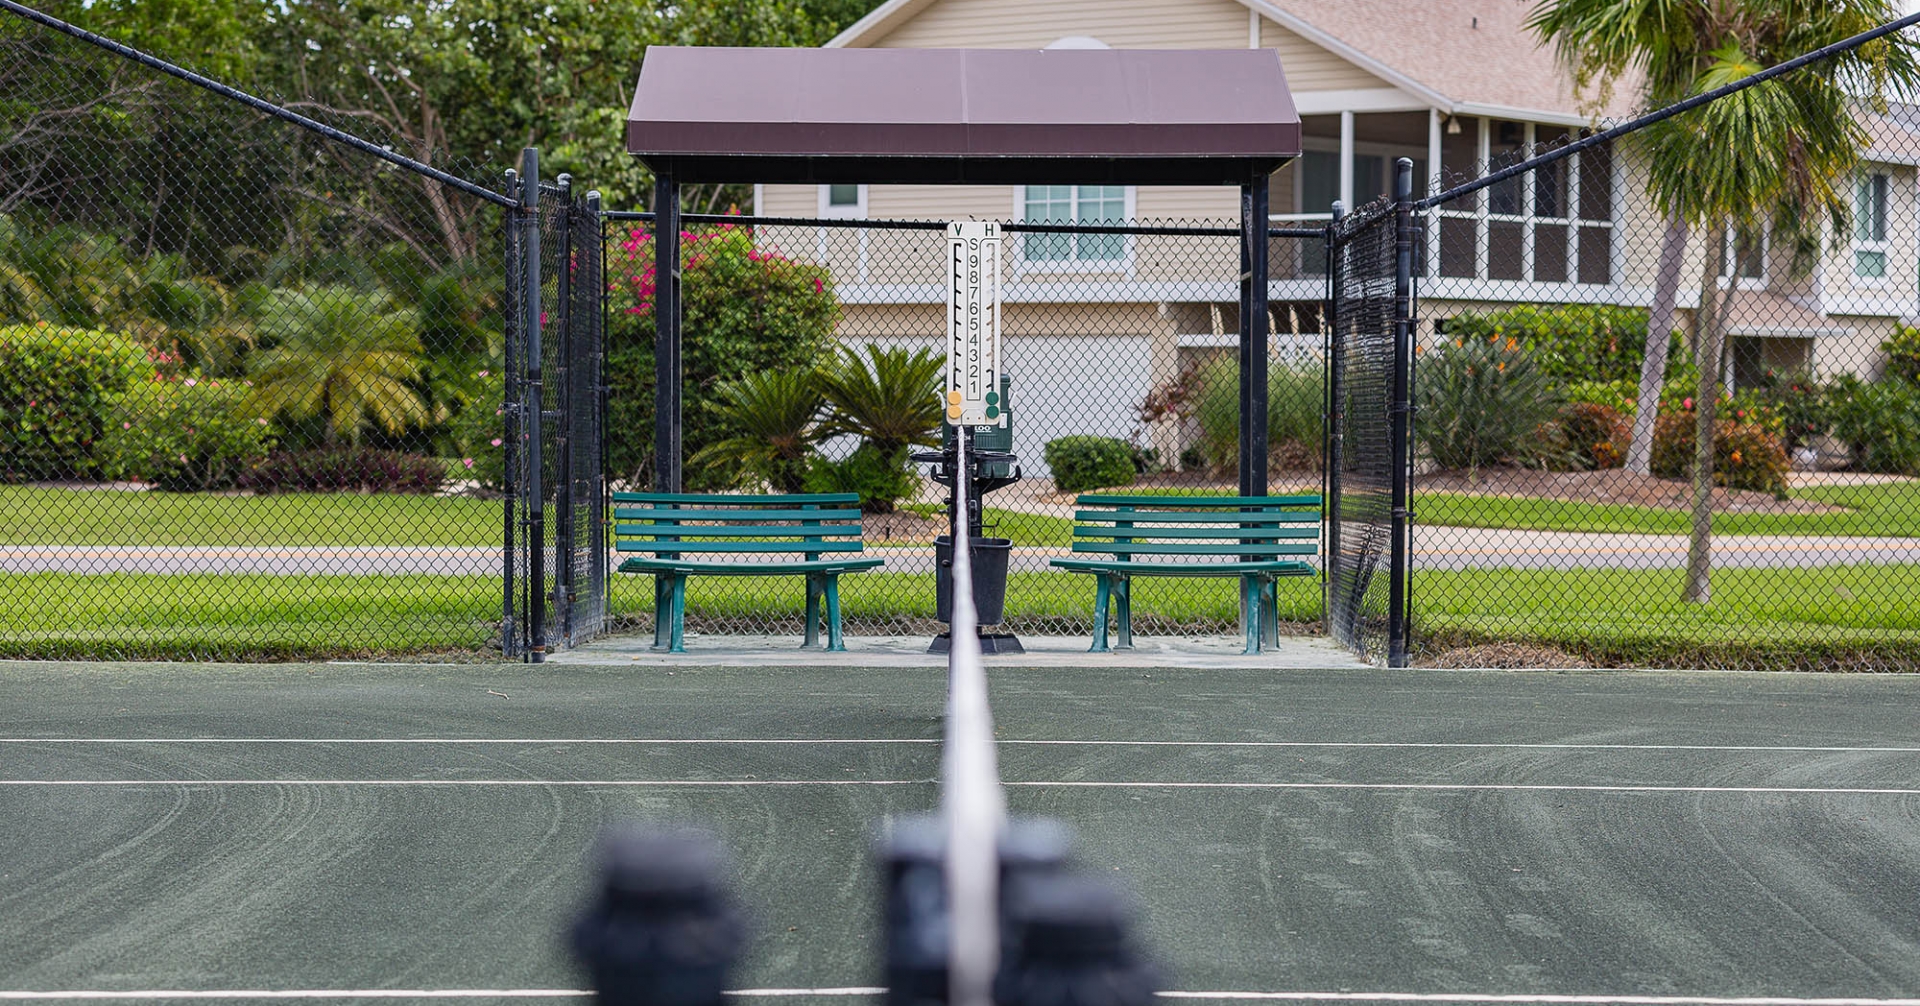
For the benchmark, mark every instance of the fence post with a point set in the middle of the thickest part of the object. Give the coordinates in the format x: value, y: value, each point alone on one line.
x: 564, y: 544
x: 534, y: 403
x: 666, y: 327
x: 1332, y: 420
x: 1400, y: 447
x: 1253, y: 335
x: 510, y: 416
x: 596, y: 386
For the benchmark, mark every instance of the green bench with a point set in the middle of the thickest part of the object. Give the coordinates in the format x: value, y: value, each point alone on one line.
x: 1248, y: 537
x: 814, y: 535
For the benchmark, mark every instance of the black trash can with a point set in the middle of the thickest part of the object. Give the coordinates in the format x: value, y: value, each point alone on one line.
x: 989, y: 578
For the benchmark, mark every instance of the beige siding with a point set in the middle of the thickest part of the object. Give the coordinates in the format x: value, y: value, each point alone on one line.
x: 1187, y: 203
x: 1310, y: 67
x: 789, y: 200
x: 1033, y: 24
x: 940, y: 202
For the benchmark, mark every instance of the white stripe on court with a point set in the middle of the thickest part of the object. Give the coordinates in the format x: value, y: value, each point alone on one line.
x: 850, y: 991
x: 742, y: 741
x: 733, y: 783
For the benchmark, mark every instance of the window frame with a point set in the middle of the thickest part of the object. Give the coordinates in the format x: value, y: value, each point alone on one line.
x: 828, y: 211
x: 1480, y: 213
x: 1729, y: 260
x: 1880, y: 246
x: 1073, y: 264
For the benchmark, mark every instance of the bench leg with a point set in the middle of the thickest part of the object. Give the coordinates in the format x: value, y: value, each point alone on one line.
x: 662, y: 611
x: 1102, y: 590
x: 1270, y: 615
x: 834, y: 643
x: 1250, y: 612
x: 677, y: 643
x: 1123, y: 611
x: 814, y: 590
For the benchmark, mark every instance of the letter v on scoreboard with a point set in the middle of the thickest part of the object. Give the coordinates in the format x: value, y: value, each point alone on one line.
x: 973, y: 324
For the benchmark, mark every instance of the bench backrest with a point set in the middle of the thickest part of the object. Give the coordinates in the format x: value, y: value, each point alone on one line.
x: 1263, y: 526
x: 669, y: 524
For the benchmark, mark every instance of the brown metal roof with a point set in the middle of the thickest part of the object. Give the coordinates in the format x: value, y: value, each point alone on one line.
x: 1137, y: 116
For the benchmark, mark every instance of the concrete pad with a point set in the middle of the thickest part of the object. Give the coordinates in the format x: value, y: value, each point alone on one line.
x: 911, y: 651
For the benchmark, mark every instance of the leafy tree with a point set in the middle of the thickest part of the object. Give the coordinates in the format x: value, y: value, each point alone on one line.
x: 1777, y: 151
x: 341, y: 355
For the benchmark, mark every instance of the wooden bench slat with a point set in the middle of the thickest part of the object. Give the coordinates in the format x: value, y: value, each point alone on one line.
x: 1229, y: 533
x: 1220, y: 548
x: 642, y: 565
x: 737, y: 499
x: 636, y: 513
x: 741, y: 547
x: 744, y: 531
x: 1095, y: 499
x: 1202, y: 516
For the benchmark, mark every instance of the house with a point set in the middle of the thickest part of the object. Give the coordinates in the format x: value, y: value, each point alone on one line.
x: 1095, y: 322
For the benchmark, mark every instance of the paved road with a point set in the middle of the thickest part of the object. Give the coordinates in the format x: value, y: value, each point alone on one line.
x: 1443, y: 836
x: 1434, y: 548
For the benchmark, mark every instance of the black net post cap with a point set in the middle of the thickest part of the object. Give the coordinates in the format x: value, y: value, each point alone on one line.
x: 662, y: 928
x: 1071, y: 944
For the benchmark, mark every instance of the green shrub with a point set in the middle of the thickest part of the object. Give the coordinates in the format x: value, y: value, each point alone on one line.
x: 1620, y: 396
x: 1595, y: 436
x: 882, y: 480
x: 59, y: 391
x: 1296, y: 401
x: 1799, y: 405
x: 1080, y: 463
x: 1879, y: 422
x: 185, y: 434
x: 744, y: 310
x: 1572, y: 342
x: 1482, y: 402
x: 1903, y: 355
x: 773, y: 422
x: 1745, y: 455
x: 345, y: 469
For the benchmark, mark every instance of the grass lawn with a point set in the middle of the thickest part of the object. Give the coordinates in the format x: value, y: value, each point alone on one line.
x: 1637, y: 615
x: 1890, y: 509
x: 30, y: 516
x: 212, y: 616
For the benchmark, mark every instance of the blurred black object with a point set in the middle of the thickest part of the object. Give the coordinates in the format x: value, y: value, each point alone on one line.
x: 662, y: 928
x: 914, y: 896
x: 1068, y: 942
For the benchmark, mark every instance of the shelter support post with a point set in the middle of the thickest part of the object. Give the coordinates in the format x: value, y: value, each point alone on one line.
x: 666, y: 320
x: 1400, y: 432
x: 1253, y: 335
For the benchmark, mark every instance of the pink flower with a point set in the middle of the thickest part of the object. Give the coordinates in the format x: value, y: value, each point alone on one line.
x: 467, y: 461
x: 819, y: 287
x: 33, y: 403
x: 191, y: 382
x: 262, y: 422
x: 496, y: 441
x: 1686, y: 403
x: 483, y: 373
x: 126, y: 426
x: 183, y: 459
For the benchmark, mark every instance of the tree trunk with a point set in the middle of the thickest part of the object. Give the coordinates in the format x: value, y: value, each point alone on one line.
x: 1709, y: 323
x: 1653, y: 368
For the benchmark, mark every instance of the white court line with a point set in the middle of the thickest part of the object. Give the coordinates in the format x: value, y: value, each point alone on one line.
x: 1406, y: 997
x: 731, y: 783
x: 1488, y: 745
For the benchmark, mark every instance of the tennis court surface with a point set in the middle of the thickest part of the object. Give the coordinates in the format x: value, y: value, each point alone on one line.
x: 325, y: 831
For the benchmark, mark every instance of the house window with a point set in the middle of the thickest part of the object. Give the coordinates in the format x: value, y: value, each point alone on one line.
x: 1074, y: 204
x: 1744, y: 257
x: 843, y: 201
x: 1551, y: 225
x: 1870, y: 227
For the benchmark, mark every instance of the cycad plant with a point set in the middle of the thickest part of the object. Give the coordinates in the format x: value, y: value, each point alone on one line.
x: 773, y: 423
x: 889, y: 398
x: 1482, y: 402
x: 342, y: 355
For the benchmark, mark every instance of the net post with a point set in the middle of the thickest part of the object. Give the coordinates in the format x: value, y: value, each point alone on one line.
x: 1400, y: 448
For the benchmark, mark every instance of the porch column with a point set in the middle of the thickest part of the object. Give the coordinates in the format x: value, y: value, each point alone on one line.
x: 1435, y: 181
x: 1346, y: 158
x: 666, y: 327
x: 1163, y: 365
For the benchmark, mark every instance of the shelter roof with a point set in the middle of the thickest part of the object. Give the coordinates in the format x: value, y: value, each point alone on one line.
x: 1135, y: 116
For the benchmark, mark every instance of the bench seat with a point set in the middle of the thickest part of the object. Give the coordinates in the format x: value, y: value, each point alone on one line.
x: 1252, y: 538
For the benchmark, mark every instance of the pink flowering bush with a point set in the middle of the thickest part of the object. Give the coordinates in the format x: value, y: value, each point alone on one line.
x: 185, y: 433
x: 747, y: 307
x: 477, y: 432
x: 58, y: 389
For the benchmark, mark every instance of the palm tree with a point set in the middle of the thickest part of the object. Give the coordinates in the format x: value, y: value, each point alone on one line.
x: 343, y: 355
x: 1774, y: 151
x: 890, y: 398
x: 772, y: 416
